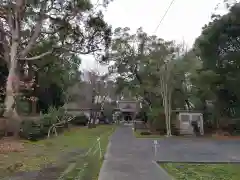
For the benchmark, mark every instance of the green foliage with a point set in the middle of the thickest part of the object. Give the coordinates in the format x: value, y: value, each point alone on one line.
x: 218, y: 48
x: 54, y: 33
x: 1, y: 109
x: 80, y: 120
x: 154, y: 114
x: 140, y: 68
x: 35, y: 129
x: 108, y: 110
x: 54, y: 114
x: 84, y: 168
x: 80, y: 27
x: 31, y: 130
x: 193, y: 171
x: 24, y: 106
x: 156, y: 119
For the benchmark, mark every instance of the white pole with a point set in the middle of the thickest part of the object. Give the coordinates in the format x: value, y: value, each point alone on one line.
x: 155, y: 147
x: 99, y: 147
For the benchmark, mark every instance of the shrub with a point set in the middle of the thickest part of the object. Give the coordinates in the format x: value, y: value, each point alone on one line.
x: 1, y: 109
x: 80, y: 120
x: 142, y: 115
x: 23, y: 106
x: 38, y: 129
x: 31, y: 130
x: 145, y: 133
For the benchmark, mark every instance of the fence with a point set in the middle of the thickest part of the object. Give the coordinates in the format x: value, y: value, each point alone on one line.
x: 87, y: 165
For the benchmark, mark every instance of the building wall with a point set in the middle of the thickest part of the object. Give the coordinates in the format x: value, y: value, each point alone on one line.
x: 128, y: 106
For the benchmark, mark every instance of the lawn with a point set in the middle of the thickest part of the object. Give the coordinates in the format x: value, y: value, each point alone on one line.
x: 37, y: 154
x: 185, y: 171
x: 138, y: 134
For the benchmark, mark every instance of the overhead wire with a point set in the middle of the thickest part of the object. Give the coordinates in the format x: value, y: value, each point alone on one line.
x: 161, y: 20
x: 164, y: 15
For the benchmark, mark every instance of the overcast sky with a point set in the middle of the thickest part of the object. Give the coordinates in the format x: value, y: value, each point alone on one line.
x: 183, y: 22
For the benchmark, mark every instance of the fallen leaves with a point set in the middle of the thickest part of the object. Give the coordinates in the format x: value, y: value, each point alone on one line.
x: 8, y: 145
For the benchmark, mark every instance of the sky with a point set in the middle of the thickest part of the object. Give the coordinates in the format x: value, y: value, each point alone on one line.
x: 183, y: 22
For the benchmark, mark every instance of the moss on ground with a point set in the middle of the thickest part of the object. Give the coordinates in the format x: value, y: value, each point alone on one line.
x: 190, y: 171
x: 138, y: 134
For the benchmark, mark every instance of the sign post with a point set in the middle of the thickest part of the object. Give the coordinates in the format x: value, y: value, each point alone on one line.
x: 155, y: 143
x: 99, y: 148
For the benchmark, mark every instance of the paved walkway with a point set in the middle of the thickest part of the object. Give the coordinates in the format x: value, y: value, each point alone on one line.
x: 198, y: 150
x: 130, y: 159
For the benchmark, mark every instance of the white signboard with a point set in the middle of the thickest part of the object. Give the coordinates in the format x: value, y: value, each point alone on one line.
x: 155, y: 142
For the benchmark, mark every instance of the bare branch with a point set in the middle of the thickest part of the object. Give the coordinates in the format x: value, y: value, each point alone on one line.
x: 32, y: 40
x: 81, y: 52
x: 35, y: 35
x: 37, y: 57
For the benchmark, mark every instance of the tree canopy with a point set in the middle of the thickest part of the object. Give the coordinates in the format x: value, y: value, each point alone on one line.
x: 218, y: 49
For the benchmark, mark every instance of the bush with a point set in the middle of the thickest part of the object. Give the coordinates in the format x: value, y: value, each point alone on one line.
x: 232, y: 128
x: 31, y: 130
x: 38, y: 129
x: 1, y: 110
x: 80, y: 120
x: 142, y: 115
x: 145, y: 133
x: 23, y: 106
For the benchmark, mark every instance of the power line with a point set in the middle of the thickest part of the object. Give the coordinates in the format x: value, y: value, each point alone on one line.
x: 161, y: 20
x: 164, y: 15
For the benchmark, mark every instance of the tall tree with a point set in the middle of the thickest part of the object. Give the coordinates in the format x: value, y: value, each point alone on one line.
x: 128, y: 54
x: 149, y: 67
x: 218, y: 49
x: 71, y: 26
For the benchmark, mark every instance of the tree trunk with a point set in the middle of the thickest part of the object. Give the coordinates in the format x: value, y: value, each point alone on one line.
x: 166, y: 97
x: 12, y: 89
x: 169, y: 111
x: 92, y: 124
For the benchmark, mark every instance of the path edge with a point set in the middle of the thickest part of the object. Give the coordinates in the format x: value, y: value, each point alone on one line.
x: 105, y: 156
x: 166, y: 175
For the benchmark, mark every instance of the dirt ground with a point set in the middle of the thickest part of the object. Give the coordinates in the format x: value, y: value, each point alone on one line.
x: 8, y: 144
x: 47, y: 159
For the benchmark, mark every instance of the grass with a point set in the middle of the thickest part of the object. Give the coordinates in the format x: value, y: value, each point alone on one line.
x: 138, y: 134
x: 186, y: 171
x: 48, y: 151
x: 91, y: 172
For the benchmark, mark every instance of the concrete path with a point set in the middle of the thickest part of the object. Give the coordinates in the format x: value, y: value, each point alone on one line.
x: 130, y: 159
x: 198, y: 150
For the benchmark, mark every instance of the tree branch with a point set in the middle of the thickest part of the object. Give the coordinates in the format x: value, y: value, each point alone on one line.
x: 37, y: 57
x: 35, y: 35
x: 6, y: 33
x: 81, y: 52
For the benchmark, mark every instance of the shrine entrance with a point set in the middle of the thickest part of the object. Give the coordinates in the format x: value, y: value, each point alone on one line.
x: 128, y: 110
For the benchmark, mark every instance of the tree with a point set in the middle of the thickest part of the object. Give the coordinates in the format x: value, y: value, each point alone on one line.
x: 165, y: 68
x: 128, y: 56
x: 69, y: 26
x: 218, y: 49
x: 150, y: 68
x: 93, y: 81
